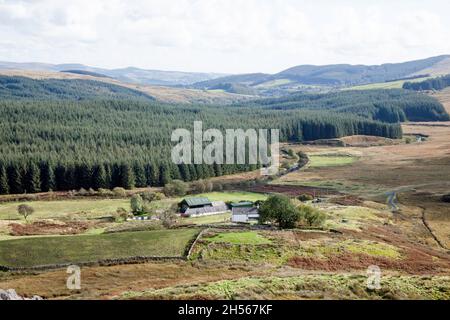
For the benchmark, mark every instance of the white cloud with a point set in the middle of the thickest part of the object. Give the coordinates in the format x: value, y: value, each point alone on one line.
x: 221, y: 35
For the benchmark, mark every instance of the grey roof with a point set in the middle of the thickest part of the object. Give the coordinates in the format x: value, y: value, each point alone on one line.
x: 205, y: 210
x: 245, y: 210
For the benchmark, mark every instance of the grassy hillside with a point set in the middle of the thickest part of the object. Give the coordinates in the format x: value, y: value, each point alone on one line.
x: 302, y: 77
x: 88, y: 248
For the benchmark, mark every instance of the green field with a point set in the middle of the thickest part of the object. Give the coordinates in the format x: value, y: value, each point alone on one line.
x: 92, y: 208
x: 62, y: 208
x: 86, y: 248
x: 216, y: 218
x: 331, y: 160
x: 386, y: 85
x: 233, y: 196
x: 249, y: 237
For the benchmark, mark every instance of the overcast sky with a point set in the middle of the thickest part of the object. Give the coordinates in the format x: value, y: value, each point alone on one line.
x: 231, y: 36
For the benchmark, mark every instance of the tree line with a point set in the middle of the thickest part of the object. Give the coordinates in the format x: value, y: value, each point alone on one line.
x: 438, y: 83
x: 90, y: 142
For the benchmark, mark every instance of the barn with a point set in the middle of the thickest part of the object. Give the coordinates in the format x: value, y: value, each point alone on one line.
x: 244, y: 212
x: 200, y: 206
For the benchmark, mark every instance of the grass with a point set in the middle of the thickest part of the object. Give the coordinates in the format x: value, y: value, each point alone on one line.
x: 58, y: 209
x: 386, y: 85
x: 86, y: 248
x: 92, y: 208
x: 273, y: 83
x: 327, y: 286
x: 233, y: 196
x: 330, y: 160
x: 249, y: 237
x: 216, y: 218
x: 374, y: 249
x: 352, y: 218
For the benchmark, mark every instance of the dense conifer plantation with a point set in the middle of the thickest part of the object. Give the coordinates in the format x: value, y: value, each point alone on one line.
x: 82, y: 137
x: 438, y: 83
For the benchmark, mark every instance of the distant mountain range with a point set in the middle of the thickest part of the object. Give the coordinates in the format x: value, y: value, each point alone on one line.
x: 337, y: 75
x: 130, y: 75
x: 298, y: 78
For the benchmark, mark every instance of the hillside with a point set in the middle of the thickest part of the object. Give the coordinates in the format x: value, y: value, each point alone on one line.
x: 69, y: 134
x: 160, y: 93
x: 130, y: 75
x: 309, y: 77
x: 64, y: 89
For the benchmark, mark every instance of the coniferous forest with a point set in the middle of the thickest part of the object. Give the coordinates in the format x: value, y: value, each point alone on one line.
x: 438, y: 83
x: 72, y: 134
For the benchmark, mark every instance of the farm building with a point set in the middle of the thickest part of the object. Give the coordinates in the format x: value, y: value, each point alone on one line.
x: 244, y: 212
x: 195, y: 207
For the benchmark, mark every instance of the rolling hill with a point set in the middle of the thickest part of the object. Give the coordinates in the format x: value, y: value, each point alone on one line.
x: 308, y: 77
x: 129, y: 75
x: 161, y: 93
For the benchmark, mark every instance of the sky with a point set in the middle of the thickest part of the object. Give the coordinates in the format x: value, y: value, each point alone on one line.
x: 226, y: 36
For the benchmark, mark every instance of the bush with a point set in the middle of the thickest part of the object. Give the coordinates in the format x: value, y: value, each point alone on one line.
x: 217, y: 186
x: 279, y: 209
x: 120, y: 215
x: 168, y: 217
x: 119, y: 192
x: 209, y: 186
x: 105, y: 192
x: 305, y: 197
x: 311, y: 216
x: 82, y: 192
x: 175, y: 188
x: 137, y: 204
x: 25, y: 211
x: 152, y: 196
x: 198, y: 186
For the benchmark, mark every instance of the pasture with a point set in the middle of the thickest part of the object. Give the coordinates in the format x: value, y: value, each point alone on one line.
x: 90, y: 248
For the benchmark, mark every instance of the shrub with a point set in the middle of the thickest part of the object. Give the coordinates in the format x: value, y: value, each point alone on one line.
x: 305, y: 197
x: 25, y: 211
x: 82, y: 192
x: 209, y: 186
x: 151, y: 196
x: 279, y: 209
x: 137, y: 204
x: 168, y: 217
x: 105, y: 192
x: 198, y: 186
x: 122, y: 213
x: 175, y: 188
x: 119, y: 192
x: 217, y: 186
x: 311, y: 216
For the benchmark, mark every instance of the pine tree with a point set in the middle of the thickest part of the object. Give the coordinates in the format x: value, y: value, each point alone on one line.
x: 15, y: 179
x: 127, y: 179
x: 139, y: 173
x: 32, y: 179
x: 47, y: 177
x: 99, y: 179
x: 164, y: 175
x: 4, y: 187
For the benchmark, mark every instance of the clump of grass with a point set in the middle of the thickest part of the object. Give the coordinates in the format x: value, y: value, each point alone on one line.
x: 249, y: 237
x: 373, y: 249
x: 327, y: 286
